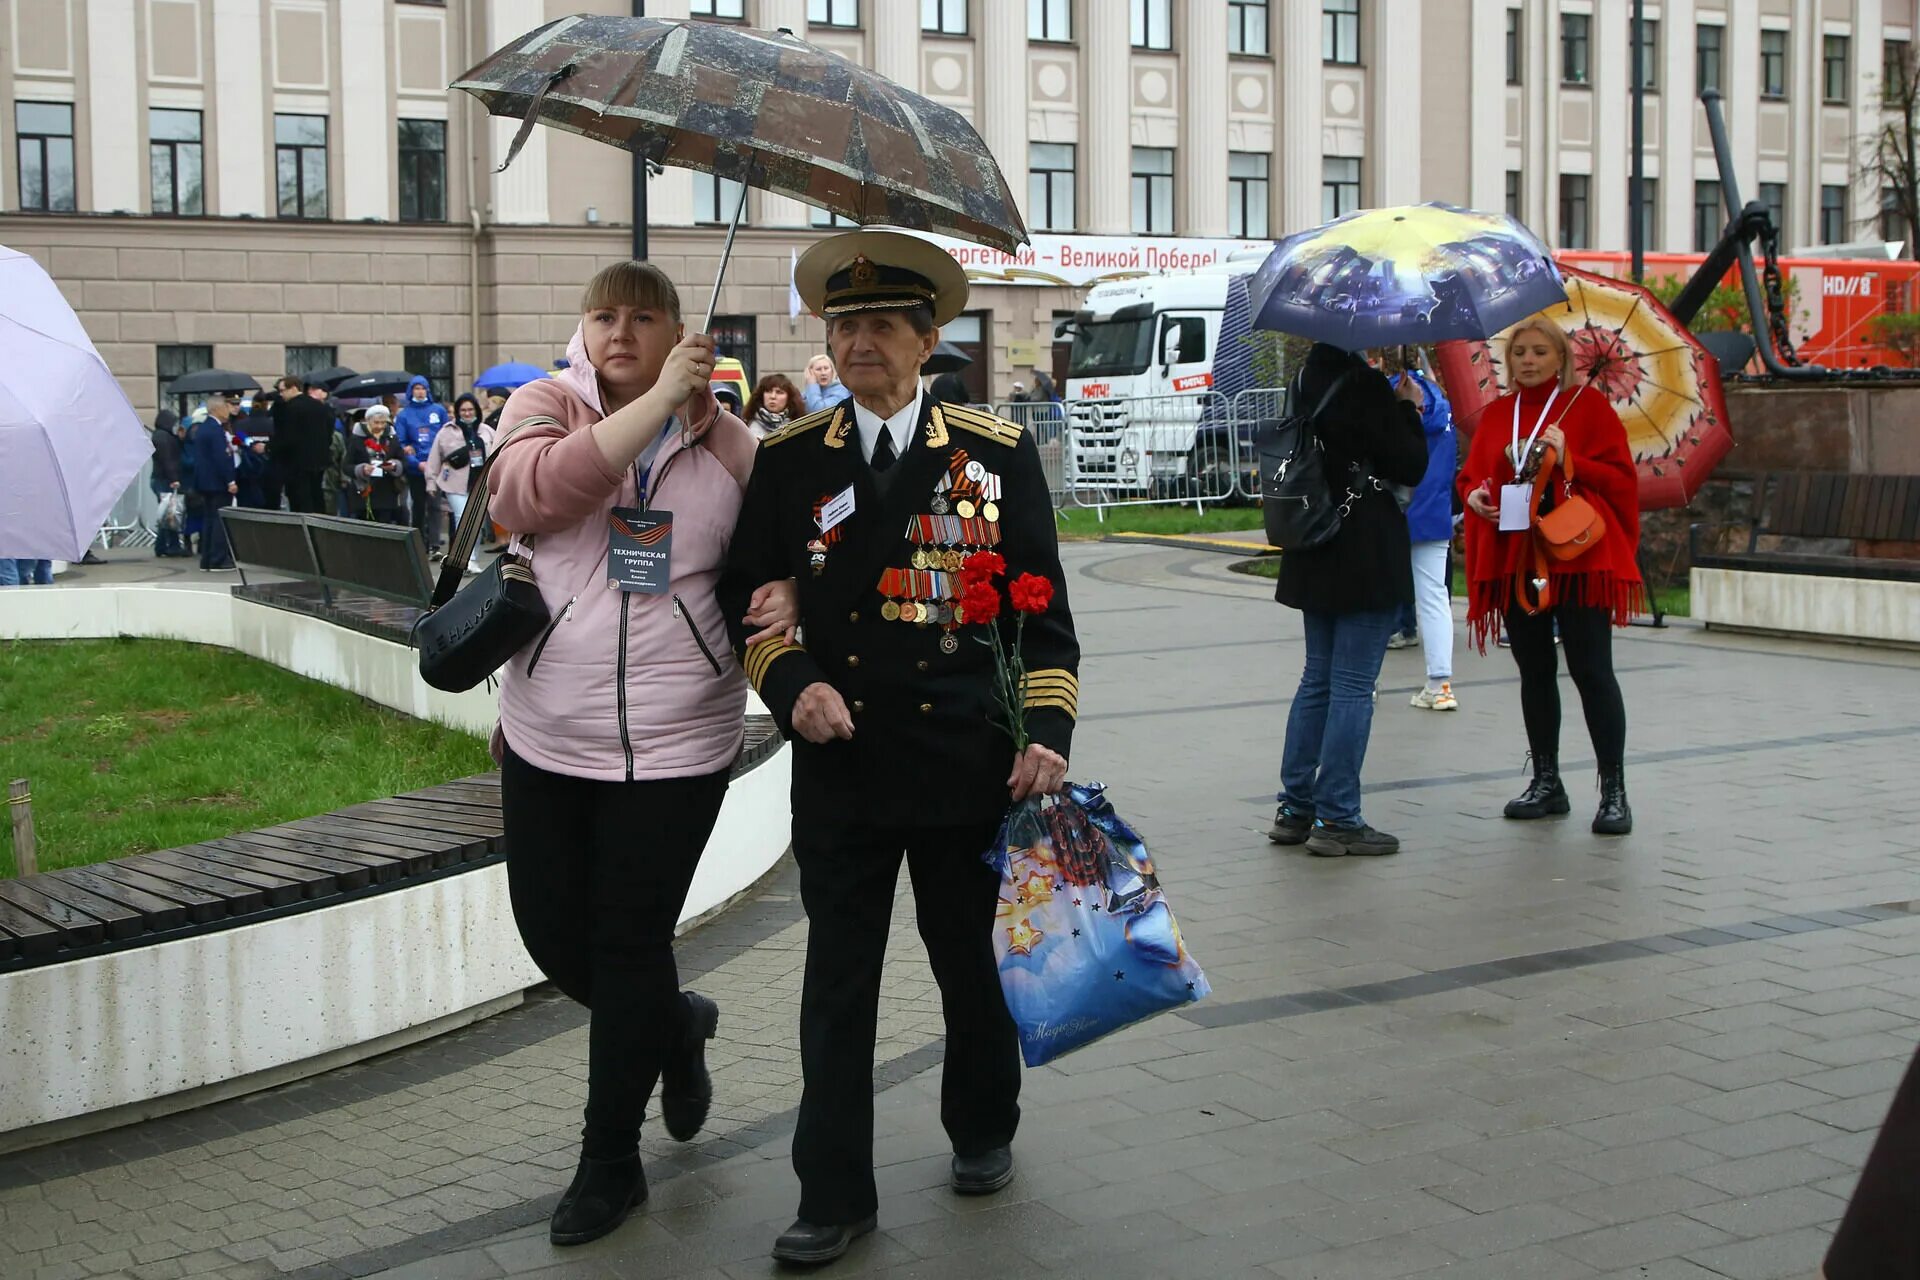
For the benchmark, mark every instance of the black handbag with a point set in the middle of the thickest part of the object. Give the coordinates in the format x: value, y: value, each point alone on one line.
x: 467, y: 634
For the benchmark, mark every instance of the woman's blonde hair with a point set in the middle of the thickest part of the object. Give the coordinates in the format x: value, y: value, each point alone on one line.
x: 639, y: 285
x: 1556, y: 338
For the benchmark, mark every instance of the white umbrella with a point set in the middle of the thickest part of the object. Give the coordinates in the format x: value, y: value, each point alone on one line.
x: 70, y: 443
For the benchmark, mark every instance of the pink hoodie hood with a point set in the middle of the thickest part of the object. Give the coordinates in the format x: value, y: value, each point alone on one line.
x: 581, y: 378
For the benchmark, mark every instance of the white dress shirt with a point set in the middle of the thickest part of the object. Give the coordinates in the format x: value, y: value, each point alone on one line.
x: 899, y: 426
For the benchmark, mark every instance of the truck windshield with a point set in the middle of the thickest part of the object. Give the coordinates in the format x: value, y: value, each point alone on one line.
x: 1111, y: 348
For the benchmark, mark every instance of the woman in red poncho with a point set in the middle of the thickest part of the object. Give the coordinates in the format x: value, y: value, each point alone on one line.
x: 1591, y: 594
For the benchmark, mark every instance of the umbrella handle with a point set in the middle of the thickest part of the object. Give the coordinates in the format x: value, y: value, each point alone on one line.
x: 726, y: 252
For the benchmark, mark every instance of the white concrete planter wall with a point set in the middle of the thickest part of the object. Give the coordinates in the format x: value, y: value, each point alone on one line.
x: 140, y: 1032
x: 1861, y: 609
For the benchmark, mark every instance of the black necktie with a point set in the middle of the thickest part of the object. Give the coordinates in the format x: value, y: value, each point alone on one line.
x: 883, y: 454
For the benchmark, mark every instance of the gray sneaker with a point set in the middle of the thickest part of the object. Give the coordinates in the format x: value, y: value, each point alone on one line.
x: 1359, y: 840
x: 1290, y: 826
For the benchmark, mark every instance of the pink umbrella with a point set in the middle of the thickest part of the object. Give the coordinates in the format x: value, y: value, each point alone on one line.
x: 70, y: 443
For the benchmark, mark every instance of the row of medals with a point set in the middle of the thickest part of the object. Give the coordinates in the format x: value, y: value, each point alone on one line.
x: 945, y: 560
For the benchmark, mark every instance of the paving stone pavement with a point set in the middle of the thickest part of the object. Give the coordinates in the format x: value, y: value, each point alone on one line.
x: 1509, y: 1051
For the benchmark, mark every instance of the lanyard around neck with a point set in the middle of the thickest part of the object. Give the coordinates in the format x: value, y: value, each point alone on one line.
x: 1539, y: 425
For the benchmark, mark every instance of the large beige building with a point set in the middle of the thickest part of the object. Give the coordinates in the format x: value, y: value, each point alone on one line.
x: 274, y: 184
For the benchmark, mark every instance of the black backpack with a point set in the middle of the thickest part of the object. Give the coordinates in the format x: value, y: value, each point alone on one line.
x: 1299, y: 504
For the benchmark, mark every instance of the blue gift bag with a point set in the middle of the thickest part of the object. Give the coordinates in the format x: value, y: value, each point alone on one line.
x: 1083, y: 935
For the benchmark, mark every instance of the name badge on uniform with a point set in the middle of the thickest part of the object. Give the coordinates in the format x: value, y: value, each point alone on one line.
x: 639, y: 550
x: 1516, y: 507
x: 837, y: 508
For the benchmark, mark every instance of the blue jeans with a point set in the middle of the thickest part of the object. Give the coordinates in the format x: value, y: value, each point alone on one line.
x: 16, y: 572
x: 1332, y: 714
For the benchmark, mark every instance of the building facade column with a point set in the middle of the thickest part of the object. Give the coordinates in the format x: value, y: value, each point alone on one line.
x: 1806, y: 77
x: 520, y: 194
x: 896, y: 41
x: 365, y: 154
x: 1679, y: 113
x: 1869, y: 35
x: 241, y: 149
x: 114, y: 133
x: 1301, y: 146
x: 1001, y: 76
x: 1393, y: 85
x: 1611, y: 130
x: 783, y: 211
x: 1106, y: 69
x: 1540, y: 175
x: 1486, y: 111
x: 1203, y: 132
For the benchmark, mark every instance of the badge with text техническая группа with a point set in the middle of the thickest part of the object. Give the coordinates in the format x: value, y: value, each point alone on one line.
x: 640, y: 550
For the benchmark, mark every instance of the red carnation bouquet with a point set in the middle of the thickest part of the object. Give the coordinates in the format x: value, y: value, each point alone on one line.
x: 981, y: 604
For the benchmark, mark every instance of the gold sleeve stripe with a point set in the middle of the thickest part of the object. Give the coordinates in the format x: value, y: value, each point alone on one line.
x: 1052, y: 675
x: 1069, y: 705
x: 762, y: 655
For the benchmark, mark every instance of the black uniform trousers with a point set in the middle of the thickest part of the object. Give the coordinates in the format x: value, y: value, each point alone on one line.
x: 847, y: 879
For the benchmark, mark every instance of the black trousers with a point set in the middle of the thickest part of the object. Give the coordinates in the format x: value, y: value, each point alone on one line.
x: 847, y: 880
x: 598, y: 873
x: 1587, y: 636
x: 305, y: 492
x: 422, y: 507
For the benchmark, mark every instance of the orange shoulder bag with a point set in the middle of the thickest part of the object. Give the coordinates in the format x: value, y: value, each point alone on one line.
x: 1573, y: 528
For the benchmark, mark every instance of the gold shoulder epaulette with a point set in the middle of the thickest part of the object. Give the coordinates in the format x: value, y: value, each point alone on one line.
x: 992, y: 426
x: 800, y: 426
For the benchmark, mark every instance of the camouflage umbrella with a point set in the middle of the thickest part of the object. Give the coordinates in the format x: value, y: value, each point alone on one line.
x: 764, y: 109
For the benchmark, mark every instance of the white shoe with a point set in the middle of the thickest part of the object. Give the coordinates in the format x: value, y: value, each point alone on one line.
x: 1440, y: 699
x: 1402, y: 640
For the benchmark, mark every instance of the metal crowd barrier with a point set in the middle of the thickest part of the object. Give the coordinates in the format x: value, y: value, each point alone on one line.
x: 1151, y: 449
x: 1046, y: 421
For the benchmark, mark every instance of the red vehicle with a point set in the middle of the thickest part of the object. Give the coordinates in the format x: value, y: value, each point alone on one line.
x: 1833, y: 303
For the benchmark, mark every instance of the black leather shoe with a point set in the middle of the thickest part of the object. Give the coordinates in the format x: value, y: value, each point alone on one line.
x: 602, y: 1194
x: 806, y: 1245
x: 1546, y: 795
x: 1615, y: 817
x: 686, y: 1090
x: 1290, y: 826
x: 982, y: 1175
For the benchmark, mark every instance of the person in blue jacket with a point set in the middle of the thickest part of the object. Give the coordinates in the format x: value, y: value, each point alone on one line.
x: 216, y: 479
x: 418, y: 422
x: 1430, y: 528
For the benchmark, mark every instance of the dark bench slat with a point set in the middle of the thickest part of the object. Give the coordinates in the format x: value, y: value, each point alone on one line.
x: 383, y: 843
x: 279, y: 889
x: 32, y: 936
x: 402, y: 823
x: 119, y: 920
x: 396, y: 814
x: 468, y: 816
x: 309, y: 881
x: 160, y: 912
x: 1878, y: 524
x: 235, y: 897
x: 1908, y: 529
x: 73, y: 928
x: 337, y: 874
x: 1869, y: 568
x: 445, y: 848
x: 8, y: 944
x: 465, y: 808
x: 390, y: 861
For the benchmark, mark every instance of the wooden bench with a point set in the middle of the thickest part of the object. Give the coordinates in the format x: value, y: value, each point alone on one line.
x: 1832, y: 506
x: 256, y: 875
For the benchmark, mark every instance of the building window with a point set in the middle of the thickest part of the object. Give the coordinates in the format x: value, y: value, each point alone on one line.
x: 1650, y: 54
x: 1513, y: 46
x: 1247, y: 26
x: 300, y: 165
x: 714, y: 198
x: 170, y: 361
x: 1709, y: 47
x: 44, y: 132
x: 1247, y: 194
x: 1833, y: 215
x: 1152, y: 191
x: 1893, y: 223
x: 1893, y: 72
x: 1050, y: 20
x: 1152, y: 24
x: 1773, y: 64
x: 1649, y: 211
x: 833, y: 13
x: 435, y: 364
x: 1835, y: 56
x: 736, y: 336
x: 819, y: 217
x: 1340, y: 32
x: 1575, y: 46
x: 1707, y: 218
x: 732, y: 10
x: 302, y: 361
x: 1050, y: 185
x: 1513, y: 194
x: 423, y: 171
x: 947, y: 17
x: 1773, y: 195
x: 1339, y: 186
x: 1575, y: 233
x: 174, y: 161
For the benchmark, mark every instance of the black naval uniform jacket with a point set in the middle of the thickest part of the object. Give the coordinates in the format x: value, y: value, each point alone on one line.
x: 926, y: 749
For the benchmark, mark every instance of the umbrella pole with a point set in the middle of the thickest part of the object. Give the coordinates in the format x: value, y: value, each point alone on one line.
x: 739, y: 207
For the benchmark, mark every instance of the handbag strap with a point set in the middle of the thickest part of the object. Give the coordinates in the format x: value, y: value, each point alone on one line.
x: 467, y: 536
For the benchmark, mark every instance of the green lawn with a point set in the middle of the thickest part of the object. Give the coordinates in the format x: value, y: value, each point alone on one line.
x: 134, y: 745
x: 1080, y: 522
x: 1677, y: 600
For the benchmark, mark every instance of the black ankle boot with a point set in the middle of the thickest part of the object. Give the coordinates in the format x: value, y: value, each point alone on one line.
x: 1545, y: 795
x: 1615, y: 816
x: 602, y: 1194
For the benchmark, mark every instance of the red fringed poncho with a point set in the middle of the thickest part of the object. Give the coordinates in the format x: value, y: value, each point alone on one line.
x: 1607, y: 576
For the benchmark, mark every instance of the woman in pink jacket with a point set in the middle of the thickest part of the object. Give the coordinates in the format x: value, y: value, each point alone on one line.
x: 619, y: 725
x: 466, y: 440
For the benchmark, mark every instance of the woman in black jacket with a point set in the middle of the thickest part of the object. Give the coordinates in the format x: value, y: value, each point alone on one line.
x: 1349, y: 591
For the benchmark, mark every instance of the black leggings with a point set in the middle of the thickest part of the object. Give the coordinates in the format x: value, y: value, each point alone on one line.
x: 599, y: 872
x: 1587, y: 635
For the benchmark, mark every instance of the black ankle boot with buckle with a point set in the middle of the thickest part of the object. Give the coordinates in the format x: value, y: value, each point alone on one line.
x: 1545, y: 796
x: 1615, y: 816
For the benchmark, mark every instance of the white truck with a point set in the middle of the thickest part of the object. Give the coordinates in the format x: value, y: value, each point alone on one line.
x: 1139, y: 384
